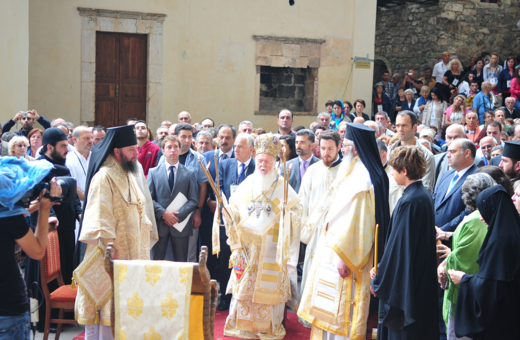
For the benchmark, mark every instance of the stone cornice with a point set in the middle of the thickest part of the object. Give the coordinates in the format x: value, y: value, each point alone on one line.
x: 289, y: 40
x: 96, y: 12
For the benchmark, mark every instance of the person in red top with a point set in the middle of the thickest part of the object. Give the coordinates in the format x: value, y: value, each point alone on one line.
x: 148, y: 152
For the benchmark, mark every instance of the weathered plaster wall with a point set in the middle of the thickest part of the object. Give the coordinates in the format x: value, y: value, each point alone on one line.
x: 208, y: 53
x: 413, y: 35
x: 14, y: 57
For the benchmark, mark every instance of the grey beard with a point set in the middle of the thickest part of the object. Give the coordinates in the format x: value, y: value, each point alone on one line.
x: 128, y: 166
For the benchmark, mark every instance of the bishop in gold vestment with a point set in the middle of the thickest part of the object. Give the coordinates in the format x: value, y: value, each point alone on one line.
x: 269, y: 244
x: 331, y: 303
x: 337, y: 292
x: 118, y: 210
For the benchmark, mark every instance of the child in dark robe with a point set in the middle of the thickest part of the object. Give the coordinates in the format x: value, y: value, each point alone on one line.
x: 406, y: 279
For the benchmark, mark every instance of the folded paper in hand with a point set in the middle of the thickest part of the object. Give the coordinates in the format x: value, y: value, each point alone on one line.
x: 176, y: 205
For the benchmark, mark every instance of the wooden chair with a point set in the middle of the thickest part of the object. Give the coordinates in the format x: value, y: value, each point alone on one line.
x: 372, y: 324
x: 64, y: 297
x: 201, y: 285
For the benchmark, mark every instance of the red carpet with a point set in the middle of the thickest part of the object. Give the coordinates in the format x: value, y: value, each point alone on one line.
x: 294, y: 330
x: 79, y: 337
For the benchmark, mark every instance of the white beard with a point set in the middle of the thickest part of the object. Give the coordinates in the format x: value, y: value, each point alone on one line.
x: 262, y: 183
x: 345, y: 163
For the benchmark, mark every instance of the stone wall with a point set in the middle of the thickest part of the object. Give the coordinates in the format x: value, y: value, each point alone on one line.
x: 282, y: 87
x: 414, y: 35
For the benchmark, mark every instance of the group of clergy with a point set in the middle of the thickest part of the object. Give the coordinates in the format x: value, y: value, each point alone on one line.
x: 355, y: 247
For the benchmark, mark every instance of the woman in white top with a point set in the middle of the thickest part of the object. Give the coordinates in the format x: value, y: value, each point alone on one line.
x: 464, y: 86
x: 434, y: 109
x: 491, y: 72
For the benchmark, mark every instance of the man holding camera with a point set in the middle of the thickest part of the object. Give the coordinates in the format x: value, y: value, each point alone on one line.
x: 27, y: 120
x: 54, y: 150
x: 411, y: 83
x: 118, y: 209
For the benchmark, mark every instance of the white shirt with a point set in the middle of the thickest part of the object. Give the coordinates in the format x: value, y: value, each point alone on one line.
x: 228, y: 154
x: 416, y: 107
x: 438, y: 71
x: 460, y: 173
x: 433, y: 118
x: 78, y: 167
x: 388, y: 133
x: 175, y: 167
x: 246, y: 165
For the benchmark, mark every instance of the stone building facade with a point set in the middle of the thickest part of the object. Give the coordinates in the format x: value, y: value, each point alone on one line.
x: 412, y: 36
x: 83, y: 60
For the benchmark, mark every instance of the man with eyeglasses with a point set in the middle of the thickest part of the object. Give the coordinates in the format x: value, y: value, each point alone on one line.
x: 207, y: 123
x: 26, y: 119
x: 486, y: 145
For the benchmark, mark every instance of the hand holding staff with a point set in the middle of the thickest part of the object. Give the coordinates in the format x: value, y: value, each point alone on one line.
x: 286, y: 174
x: 217, y: 194
x: 216, y: 189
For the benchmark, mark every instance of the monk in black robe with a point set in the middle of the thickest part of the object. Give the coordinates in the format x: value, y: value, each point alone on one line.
x: 406, y: 280
x: 488, y: 304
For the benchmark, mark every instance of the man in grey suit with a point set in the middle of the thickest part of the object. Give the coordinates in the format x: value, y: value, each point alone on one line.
x: 304, y: 146
x: 453, y: 132
x: 166, y: 181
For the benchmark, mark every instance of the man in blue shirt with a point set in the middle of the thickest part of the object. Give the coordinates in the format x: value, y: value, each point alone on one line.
x: 27, y: 120
x: 482, y: 102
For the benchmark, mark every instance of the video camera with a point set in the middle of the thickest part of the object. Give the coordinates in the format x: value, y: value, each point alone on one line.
x: 68, y: 191
x: 21, y: 182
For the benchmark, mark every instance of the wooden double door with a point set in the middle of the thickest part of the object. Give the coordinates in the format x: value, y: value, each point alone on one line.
x: 121, y: 61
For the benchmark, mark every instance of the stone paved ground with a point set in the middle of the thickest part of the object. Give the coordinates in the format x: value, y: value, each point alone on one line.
x: 68, y: 332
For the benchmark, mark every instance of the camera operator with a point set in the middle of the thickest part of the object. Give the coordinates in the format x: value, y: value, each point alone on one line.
x: 14, y: 305
x: 54, y: 150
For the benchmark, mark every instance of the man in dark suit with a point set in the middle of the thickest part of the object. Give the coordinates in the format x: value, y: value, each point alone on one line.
x: 166, y: 182
x: 453, y: 132
x: 509, y: 108
x: 447, y: 198
x: 232, y: 172
x: 226, y: 135
x: 449, y: 207
x: 304, y: 146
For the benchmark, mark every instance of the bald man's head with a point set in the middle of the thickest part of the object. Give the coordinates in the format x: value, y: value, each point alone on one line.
x: 453, y: 132
x: 184, y: 117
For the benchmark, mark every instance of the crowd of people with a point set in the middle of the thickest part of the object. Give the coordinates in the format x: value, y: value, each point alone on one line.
x: 435, y: 166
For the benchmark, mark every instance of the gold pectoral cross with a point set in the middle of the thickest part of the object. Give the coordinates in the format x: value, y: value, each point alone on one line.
x: 274, y: 232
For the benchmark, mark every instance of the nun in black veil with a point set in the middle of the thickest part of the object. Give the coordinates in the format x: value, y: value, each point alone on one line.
x: 488, y: 305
